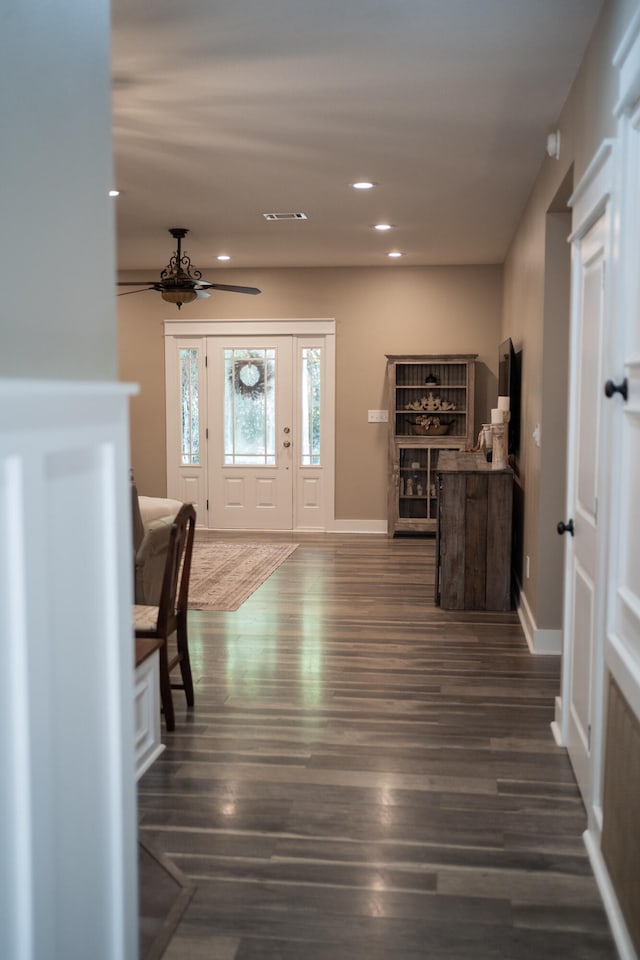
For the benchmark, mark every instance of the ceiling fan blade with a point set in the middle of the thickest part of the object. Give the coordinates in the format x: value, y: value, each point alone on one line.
x: 202, y: 294
x: 230, y: 287
x: 135, y: 283
x: 127, y: 293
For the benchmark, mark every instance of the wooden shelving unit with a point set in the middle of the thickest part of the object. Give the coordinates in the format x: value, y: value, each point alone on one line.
x: 440, y: 388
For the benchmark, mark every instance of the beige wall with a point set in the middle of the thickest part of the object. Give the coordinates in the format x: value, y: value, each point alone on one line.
x: 377, y: 311
x: 57, y: 311
x: 531, y: 292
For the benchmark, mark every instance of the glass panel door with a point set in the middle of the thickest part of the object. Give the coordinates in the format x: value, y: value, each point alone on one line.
x: 251, y: 432
x: 249, y: 407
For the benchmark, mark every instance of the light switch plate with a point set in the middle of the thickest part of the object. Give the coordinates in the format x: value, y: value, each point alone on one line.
x: 378, y: 416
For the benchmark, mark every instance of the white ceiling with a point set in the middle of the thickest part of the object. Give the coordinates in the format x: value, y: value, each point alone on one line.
x: 228, y: 109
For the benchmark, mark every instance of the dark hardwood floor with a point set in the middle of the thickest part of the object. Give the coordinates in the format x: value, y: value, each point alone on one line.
x: 367, y: 776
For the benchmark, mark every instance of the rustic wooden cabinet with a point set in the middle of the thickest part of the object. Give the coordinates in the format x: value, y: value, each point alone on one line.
x: 431, y: 409
x: 473, y: 545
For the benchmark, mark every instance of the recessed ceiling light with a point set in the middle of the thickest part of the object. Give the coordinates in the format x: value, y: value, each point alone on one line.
x: 394, y: 253
x: 363, y: 185
x: 223, y: 256
x: 382, y: 226
x: 114, y: 193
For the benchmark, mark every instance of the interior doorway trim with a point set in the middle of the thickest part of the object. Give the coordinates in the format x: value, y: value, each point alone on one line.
x: 306, y: 326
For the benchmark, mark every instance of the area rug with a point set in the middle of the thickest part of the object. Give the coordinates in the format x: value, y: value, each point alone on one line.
x: 224, y: 574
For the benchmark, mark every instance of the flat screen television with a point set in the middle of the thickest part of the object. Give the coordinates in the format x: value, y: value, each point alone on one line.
x: 509, y: 386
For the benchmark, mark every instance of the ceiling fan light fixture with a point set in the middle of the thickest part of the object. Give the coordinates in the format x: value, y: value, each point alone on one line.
x: 179, y: 296
x: 179, y: 283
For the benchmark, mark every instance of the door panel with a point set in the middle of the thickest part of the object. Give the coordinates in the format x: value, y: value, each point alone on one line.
x: 590, y: 347
x: 250, y: 425
x: 311, y: 493
x: 623, y: 626
x: 583, y: 575
x: 582, y: 653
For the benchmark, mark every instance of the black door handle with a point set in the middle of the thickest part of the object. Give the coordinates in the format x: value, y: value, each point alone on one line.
x: 565, y: 527
x: 622, y: 388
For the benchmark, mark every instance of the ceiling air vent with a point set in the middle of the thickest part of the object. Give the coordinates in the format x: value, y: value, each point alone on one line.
x: 284, y: 216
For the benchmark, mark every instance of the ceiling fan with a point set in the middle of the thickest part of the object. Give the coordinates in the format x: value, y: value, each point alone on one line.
x: 179, y: 283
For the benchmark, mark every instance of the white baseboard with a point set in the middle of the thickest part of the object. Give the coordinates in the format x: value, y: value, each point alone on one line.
x: 359, y: 526
x: 556, y: 725
x: 610, y: 902
x: 540, y: 642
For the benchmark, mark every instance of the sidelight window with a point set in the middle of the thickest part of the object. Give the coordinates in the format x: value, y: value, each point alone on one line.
x: 310, y: 412
x: 189, y: 408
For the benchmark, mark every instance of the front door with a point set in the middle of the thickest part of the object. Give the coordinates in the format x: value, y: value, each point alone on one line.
x: 251, y: 432
x: 583, y: 578
x: 250, y: 422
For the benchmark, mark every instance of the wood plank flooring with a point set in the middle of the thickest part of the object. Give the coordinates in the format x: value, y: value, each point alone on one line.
x: 367, y: 776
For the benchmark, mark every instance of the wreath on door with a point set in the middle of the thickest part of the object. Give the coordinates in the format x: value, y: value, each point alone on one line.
x: 249, y: 378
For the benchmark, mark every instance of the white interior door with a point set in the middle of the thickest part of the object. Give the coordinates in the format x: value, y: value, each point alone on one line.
x: 583, y: 586
x: 251, y: 432
x: 623, y: 406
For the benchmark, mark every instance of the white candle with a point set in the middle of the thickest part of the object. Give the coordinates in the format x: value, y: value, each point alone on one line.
x: 503, y: 403
x: 496, y: 415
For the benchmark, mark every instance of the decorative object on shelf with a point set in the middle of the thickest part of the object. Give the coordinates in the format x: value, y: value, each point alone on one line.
x: 429, y: 427
x: 485, y: 438
x: 431, y: 380
x: 430, y: 402
x: 499, y: 452
x: 500, y: 415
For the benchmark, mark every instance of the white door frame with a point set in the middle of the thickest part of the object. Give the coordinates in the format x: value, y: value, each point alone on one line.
x: 622, y: 638
x: 294, y: 327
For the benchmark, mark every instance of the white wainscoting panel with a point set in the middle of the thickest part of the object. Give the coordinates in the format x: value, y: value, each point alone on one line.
x: 67, y: 800
x: 147, y: 714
